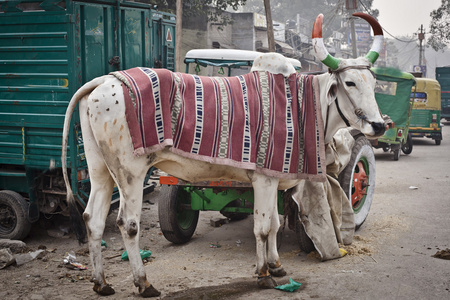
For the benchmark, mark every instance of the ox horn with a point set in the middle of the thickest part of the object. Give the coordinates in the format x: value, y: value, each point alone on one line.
x: 378, y: 37
x: 322, y: 53
x: 319, y: 47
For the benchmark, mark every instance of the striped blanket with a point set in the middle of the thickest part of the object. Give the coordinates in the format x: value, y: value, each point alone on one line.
x: 259, y: 121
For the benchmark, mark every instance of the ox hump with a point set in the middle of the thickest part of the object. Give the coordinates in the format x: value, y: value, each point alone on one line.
x: 274, y: 63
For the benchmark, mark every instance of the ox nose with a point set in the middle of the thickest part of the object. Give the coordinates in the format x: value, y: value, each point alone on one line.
x: 379, y: 128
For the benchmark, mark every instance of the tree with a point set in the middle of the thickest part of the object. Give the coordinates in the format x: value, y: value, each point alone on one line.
x: 284, y: 10
x: 192, y: 8
x: 440, y: 23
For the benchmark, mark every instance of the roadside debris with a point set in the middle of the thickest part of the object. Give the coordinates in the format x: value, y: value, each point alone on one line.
x: 217, y: 221
x: 27, y: 257
x: 289, y: 287
x: 413, y: 187
x: 143, y: 253
x: 70, y: 262
x: 6, y: 258
x: 343, y: 251
x: 15, y: 246
x: 443, y: 254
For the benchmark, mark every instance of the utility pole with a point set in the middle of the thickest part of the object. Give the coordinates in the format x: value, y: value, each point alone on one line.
x: 269, y: 24
x: 421, y: 48
x: 351, y: 6
x: 178, y: 31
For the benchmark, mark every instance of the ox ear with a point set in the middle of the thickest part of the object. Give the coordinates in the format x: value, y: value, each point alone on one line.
x: 331, y: 90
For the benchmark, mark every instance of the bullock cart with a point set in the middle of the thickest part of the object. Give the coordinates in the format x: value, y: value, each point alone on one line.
x: 393, y: 95
x: 183, y: 201
x: 123, y: 157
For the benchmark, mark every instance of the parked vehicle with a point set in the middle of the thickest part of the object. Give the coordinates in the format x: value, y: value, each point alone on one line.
x: 48, y: 49
x: 443, y: 77
x: 426, y: 113
x: 231, y: 59
x: 393, y: 94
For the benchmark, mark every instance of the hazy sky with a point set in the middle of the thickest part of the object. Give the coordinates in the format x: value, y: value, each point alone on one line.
x: 404, y: 17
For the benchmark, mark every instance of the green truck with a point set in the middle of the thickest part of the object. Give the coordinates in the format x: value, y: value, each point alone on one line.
x: 48, y: 49
x: 443, y: 77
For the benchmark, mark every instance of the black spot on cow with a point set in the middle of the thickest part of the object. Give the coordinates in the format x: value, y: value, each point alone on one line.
x: 129, y: 179
x: 132, y: 228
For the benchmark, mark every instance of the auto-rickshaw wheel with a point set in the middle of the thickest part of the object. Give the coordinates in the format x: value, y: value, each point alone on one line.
x: 396, y: 154
x: 358, y: 179
x: 438, y: 142
x: 177, y: 223
x: 14, y: 223
x: 408, y: 146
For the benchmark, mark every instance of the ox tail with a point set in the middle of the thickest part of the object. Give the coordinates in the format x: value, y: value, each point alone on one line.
x: 75, y: 216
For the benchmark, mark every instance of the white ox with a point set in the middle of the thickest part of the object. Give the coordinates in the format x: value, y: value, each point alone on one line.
x: 109, y: 154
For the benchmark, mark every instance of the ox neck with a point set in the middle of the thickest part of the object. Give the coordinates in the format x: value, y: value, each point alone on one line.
x: 332, y: 120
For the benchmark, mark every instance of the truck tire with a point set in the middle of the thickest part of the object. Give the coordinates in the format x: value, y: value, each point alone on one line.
x: 358, y: 179
x: 14, y: 223
x: 177, y: 224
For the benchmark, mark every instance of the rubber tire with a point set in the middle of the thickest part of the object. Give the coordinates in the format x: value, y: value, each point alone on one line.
x: 177, y: 225
x: 396, y: 154
x: 438, y: 142
x: 18, y: 206
x: 408, y: 146
x: 362, y: 150
x: 304, y: 242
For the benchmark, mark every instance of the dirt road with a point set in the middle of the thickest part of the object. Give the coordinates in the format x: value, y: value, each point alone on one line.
x: 391, y: 257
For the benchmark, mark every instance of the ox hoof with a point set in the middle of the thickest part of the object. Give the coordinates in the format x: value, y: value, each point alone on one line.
x: 277, y: 272
x: 150, y: 292
x: 266, y: 282
x: 104, y: 290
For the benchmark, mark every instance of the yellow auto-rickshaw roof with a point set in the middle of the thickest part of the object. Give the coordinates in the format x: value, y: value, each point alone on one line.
x: 433, y: 90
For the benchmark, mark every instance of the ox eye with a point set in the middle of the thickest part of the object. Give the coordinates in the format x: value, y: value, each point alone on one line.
x: 350, y: 83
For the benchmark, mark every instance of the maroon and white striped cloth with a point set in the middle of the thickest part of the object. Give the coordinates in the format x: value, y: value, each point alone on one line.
x: 259, y: 121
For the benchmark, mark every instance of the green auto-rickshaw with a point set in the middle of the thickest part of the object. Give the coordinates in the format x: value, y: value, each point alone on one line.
x: 393, y: 95
x: 426, y: 113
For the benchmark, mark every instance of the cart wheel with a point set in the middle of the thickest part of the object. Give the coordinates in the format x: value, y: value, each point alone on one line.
x: 304, y: 242
x: 14, y: 223
x: 438, y: 142
x: 358, y: 179
x: 397, y: 154
x: 407, y: 148
x: 177, y: 223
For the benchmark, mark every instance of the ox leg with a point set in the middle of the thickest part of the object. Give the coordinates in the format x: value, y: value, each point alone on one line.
x: 275, y: 267
x: 95, y: 217
x: 98, y: 205
x: 128, y: 221
x: 265, y: 208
